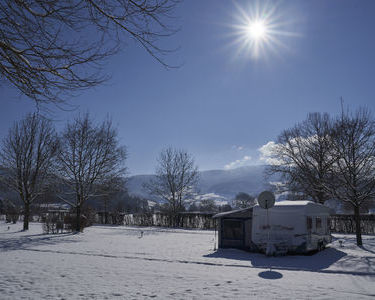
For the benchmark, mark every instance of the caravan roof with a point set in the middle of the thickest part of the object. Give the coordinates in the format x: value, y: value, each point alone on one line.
x: 308, y: 207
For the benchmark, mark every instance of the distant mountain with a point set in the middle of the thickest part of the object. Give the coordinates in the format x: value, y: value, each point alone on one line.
x: 135, y: 185
x: 229, y: 182
x: 223, y: 183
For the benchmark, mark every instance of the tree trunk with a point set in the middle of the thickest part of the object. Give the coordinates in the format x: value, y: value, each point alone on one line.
x: 358, y: 232
x: 26, y: 216
x: 105, y: 212
x: 321, y: 197
x: 78, y: 219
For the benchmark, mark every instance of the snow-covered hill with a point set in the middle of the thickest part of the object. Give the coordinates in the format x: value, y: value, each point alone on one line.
x: 225, y: 184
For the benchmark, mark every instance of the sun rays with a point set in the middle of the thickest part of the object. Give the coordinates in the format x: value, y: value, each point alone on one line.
x: 259, y: 30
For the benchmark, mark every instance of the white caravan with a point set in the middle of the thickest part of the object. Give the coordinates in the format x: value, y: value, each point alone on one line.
x: 291, y: 226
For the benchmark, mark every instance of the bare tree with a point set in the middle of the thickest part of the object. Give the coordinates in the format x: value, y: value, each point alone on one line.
x: 27, y: 157
x: 49, y: 49
x: 353, y: 174
x: 176, y: 177
x: 208, y: 205
x: 89, y: 158
x: 243, y: 200
x: 302, y: 156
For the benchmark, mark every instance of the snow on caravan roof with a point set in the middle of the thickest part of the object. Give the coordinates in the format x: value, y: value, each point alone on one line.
x: 293, y: 203
x: 307, y: 206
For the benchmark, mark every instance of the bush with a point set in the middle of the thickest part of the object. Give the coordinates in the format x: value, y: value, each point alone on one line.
x: 70, y: 222
x: 56, y: 224
x: 52, y: 224
x: 12, y: 218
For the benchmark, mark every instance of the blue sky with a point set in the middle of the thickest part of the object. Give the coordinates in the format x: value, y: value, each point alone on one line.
x: 223, y: 103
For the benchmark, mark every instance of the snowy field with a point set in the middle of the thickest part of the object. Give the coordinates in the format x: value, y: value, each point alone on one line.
x: 109, y: 262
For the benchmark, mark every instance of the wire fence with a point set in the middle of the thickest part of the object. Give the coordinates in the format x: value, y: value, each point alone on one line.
x: 201, y: 220
x: 346, y: 224
x: 181, y: 220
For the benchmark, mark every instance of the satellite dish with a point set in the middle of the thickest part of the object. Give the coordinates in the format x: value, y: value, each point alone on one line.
x: 266, y: 200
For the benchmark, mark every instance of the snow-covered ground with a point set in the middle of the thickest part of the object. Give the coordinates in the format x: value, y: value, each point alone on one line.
x: 109, y: 262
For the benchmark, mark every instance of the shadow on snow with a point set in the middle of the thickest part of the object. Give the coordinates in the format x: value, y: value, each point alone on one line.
x: 27, y: 241
x: 270, y: 275
x: 318, y: 261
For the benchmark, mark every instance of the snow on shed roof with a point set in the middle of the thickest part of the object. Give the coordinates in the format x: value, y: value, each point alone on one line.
x: 226, y: 213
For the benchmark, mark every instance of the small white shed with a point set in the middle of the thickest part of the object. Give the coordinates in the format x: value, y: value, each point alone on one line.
x: 292, y: 226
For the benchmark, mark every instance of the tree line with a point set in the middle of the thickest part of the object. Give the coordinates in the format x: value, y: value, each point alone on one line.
x: 326, y: 157
x: 85, y: 163
x: 85, y: 160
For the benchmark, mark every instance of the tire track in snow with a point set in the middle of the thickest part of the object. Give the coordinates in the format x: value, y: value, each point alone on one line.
x: 355, y: 273
x: 158, y: 230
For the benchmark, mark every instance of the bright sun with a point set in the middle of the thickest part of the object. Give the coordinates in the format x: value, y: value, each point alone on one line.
x: 261, y: 28
x: 257, y: 30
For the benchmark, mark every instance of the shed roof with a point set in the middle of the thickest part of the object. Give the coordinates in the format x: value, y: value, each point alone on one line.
x: 232, y: 212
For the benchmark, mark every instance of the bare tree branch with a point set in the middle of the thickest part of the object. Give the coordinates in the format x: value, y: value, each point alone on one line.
x: 303, y: 156
x: 50, y: 50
